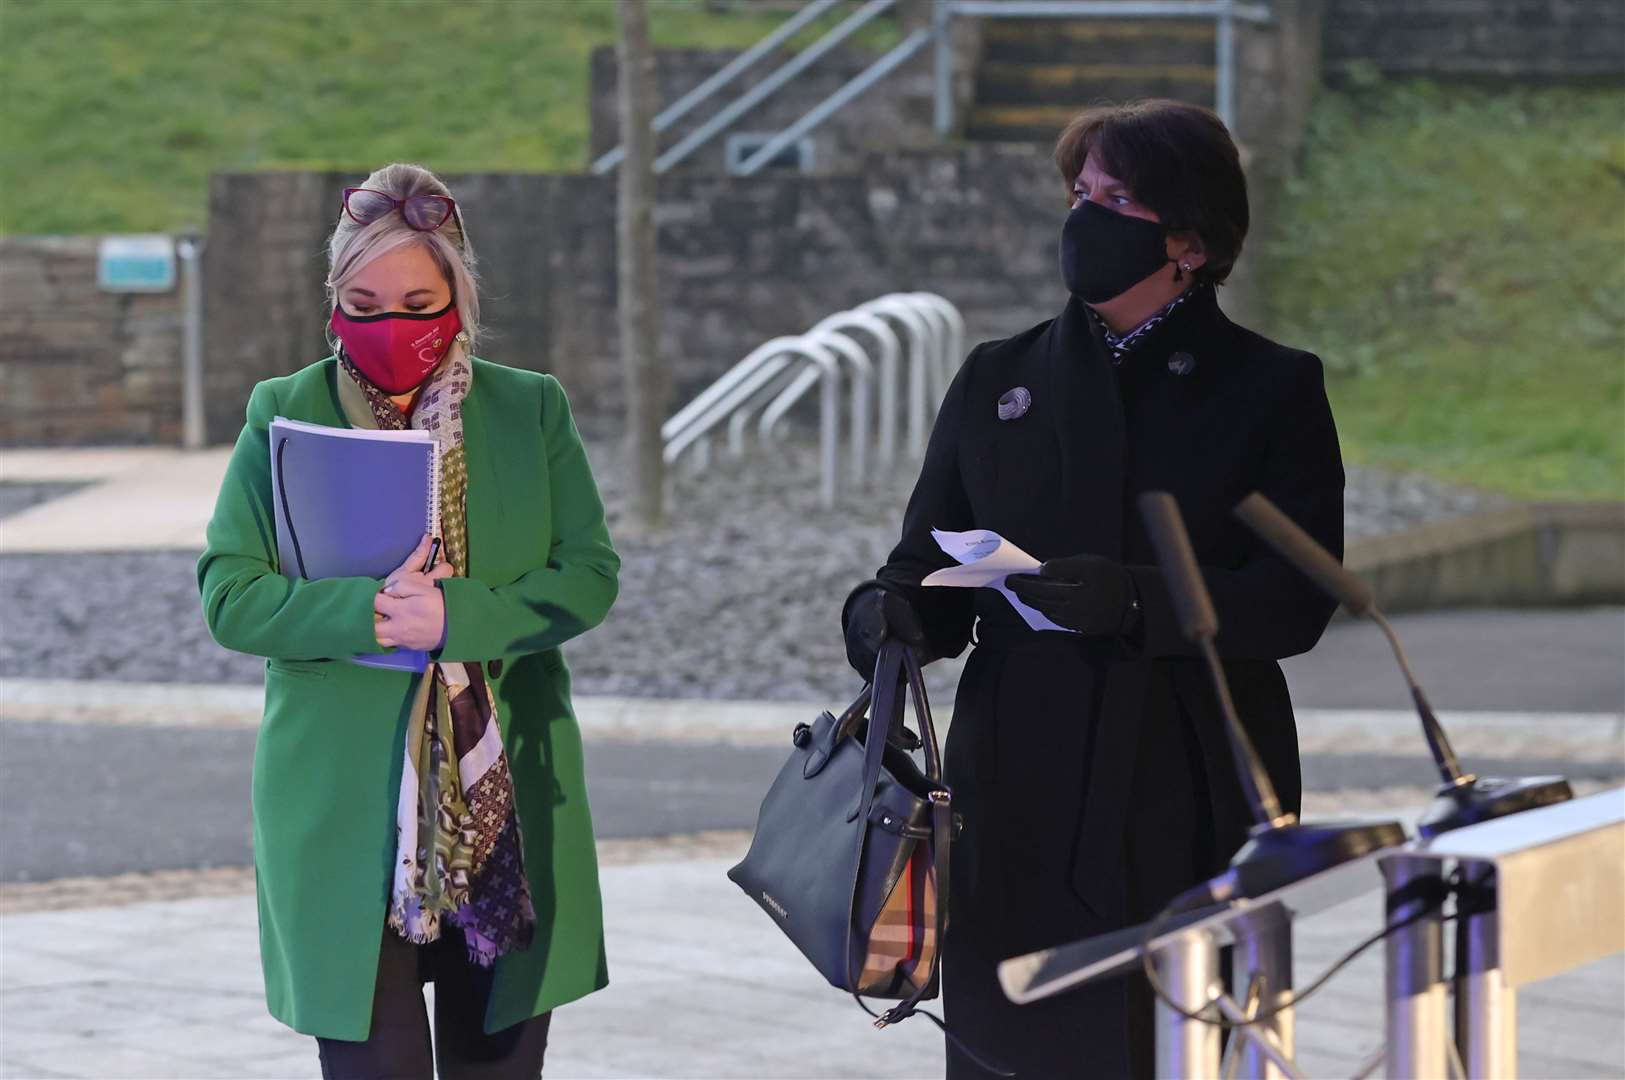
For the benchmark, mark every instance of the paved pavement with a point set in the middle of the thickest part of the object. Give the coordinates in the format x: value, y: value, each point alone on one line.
x: 162, y: 498
x: 148, y: 966
x: 171, y: 989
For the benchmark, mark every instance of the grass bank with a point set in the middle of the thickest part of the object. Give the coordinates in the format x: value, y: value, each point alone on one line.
x: 1456, y: 255
x: 115, y: 112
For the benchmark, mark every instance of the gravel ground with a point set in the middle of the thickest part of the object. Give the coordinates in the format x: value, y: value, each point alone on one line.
x: 740, y: 599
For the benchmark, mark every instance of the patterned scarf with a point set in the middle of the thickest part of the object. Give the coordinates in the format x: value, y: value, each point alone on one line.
x: 458, y: 852
x: 1122, y: 344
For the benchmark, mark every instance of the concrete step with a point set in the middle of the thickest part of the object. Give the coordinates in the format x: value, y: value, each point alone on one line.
x: 1075, y: 84
x: 1043, y: 123
x: 1114, y: 41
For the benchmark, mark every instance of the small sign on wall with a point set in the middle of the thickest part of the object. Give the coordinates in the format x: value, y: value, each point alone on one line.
x: 136, y: 263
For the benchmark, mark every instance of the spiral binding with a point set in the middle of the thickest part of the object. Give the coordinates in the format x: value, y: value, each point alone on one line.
x: 434, y: 489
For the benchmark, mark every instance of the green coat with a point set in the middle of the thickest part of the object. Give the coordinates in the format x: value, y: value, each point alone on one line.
x: 327, y: 765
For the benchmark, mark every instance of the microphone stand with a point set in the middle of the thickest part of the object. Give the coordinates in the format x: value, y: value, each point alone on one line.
x: 1416, y: 953
x: 1463, y: 799
x: 1279, y: 850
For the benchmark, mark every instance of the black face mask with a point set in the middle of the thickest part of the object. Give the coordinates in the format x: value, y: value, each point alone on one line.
x: 1105, y: 254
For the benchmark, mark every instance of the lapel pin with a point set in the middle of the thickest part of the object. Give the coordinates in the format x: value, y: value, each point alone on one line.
x: 1014, y: 403
x: 1182, y: 363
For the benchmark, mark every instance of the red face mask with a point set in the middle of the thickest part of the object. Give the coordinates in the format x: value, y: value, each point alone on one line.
x: 398, y: 349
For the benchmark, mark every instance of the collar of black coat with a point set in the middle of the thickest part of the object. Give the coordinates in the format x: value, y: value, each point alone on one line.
x: 1194, y: 325
x: 1123, y: 344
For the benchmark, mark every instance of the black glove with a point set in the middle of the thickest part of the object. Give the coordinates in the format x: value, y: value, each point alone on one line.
x: 1086, y: 593
x: 874, y: 614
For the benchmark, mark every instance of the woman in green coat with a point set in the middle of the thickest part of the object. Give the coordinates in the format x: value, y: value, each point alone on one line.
x: 415, y: 827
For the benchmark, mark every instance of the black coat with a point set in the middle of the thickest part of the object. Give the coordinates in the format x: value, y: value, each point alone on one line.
x: 1093, y: 774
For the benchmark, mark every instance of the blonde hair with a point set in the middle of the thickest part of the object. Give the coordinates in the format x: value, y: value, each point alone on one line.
x: 353, y: 246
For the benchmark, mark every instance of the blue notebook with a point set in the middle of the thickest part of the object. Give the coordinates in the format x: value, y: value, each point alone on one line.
x: 353, y: 503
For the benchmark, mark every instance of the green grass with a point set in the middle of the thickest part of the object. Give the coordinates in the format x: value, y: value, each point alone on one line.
x: 1456, y: 255
x: 115, y: 112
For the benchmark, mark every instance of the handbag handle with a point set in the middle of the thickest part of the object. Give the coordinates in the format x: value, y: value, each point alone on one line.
x: 895, y: 663
x: 891, y: 709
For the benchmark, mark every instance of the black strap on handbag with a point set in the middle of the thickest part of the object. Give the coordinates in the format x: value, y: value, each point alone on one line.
x: 895, y: 664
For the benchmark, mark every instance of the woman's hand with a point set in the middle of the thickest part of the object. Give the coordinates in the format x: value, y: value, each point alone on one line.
x: 1086, y: 593
x: 875, y: 615
x: 410, y: 610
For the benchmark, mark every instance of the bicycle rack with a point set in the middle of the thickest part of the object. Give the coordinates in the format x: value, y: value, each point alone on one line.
x: 921, y: 344
x: 772, y: 378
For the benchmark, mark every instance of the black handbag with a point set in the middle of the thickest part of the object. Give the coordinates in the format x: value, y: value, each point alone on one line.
x: 850, y: 854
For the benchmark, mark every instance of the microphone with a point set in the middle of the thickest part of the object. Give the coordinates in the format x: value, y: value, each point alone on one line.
x: 1279, y: 850
x: 1464, y: 798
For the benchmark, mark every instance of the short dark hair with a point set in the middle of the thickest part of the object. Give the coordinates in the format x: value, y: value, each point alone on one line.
x: 1179, y: 162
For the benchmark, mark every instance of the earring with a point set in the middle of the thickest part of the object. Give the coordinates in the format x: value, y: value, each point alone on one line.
x: 1185, y: 266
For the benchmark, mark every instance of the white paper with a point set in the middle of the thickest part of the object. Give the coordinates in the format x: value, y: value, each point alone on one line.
x: 985, y: 559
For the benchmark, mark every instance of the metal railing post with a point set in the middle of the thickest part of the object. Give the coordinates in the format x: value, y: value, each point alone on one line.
x: 1486, y: 1004
x: 189, y: 247
x: 1264, y: 952
x: 1416, y: 1027
x: 1189, y: 968
x: 942, y: 13
x: 1224, y: 65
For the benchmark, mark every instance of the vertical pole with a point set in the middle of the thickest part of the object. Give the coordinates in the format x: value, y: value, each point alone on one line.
x: 1189, y: 968
x: 942, y: 13
x: 189, y: 246
x: 1486, y: 1007
x: 637, y: 287
x: 1225, y: 67
x: 1416, y: 1026
x: 828, y: 435
x: 1264, y: 951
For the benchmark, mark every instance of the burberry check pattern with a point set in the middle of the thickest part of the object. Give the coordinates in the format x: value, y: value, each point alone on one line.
x: 903, y: 941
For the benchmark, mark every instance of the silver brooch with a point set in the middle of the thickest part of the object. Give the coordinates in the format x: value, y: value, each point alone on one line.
x: 1014, y: 403
x: 1182, y: 363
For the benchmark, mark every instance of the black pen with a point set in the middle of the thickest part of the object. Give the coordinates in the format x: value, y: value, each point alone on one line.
x: 434, y: 555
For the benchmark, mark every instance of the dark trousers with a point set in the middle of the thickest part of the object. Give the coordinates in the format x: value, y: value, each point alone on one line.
x: 398, y: 1046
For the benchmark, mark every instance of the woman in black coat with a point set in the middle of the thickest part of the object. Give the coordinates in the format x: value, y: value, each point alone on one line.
x: 1091, y: 767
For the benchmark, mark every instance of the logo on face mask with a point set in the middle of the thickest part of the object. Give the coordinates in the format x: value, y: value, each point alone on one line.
x: 397, y: 350
x: 1104, y: 254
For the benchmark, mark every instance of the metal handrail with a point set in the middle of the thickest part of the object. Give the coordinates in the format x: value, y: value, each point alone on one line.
x: 771, y: 84
x: 729, y: 72
x: 855, y: 86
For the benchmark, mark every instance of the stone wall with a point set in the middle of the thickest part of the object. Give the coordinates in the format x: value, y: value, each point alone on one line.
x: 1556, y: 39
x: 740, y: 261
x: 78, y: 365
